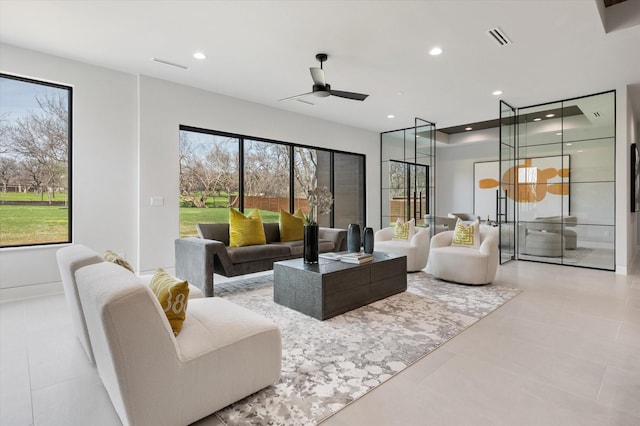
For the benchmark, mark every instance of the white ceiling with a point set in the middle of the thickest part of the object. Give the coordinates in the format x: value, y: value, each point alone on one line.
x: 261, y: 51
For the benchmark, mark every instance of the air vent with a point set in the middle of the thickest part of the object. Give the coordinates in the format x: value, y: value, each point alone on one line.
x: 499, y: 36
x: 173, y: 64
x: 597, y: 114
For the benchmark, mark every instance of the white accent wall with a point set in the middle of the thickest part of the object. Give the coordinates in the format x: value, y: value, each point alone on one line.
x: 164, y: 106
x: 125, y: 150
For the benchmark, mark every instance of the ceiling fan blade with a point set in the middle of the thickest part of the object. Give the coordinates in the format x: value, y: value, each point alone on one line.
x: 296, y: 96
x: 317, y: 74
x: 349, y: 95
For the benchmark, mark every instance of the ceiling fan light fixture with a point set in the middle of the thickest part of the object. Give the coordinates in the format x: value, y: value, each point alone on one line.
x: 322, y: 89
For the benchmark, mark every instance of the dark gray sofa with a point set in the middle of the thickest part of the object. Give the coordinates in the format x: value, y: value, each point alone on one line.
x: 197, y: 259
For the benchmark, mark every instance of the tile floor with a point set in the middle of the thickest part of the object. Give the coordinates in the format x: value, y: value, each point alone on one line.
x: 564, y: 352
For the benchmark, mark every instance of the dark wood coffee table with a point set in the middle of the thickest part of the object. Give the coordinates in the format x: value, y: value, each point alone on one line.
x: 331, y: 287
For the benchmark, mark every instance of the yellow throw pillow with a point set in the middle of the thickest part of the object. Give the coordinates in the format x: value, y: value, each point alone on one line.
x: 403, y: 230
x: 245, y: 230
x: 114, y: 257
x: 466, y: 235
x: 291, y: 226
x: 173, y: 295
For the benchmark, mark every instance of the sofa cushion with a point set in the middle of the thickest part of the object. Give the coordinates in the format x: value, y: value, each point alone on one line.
x: 172, y: 294
x: 214, y: 231
x: 245, y: 230
x: 291, y: 226
x: 113, y: 257
x: 271, y: 232
x: 296, y: 248
x: 257, y: 253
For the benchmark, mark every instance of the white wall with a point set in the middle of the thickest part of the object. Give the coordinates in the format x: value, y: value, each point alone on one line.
x: 164, y: 106
x: 632, y: 128
x: 454, y: 174
x: 125, y: 149
x: 103, y: 163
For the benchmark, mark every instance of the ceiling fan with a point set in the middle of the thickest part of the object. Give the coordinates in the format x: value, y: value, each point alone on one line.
x: 322, y: 89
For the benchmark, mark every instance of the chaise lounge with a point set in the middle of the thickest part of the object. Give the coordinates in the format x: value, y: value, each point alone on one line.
x: 222, y: 353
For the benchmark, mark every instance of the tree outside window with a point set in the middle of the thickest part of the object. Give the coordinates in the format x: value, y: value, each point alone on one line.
x: 34, y: 162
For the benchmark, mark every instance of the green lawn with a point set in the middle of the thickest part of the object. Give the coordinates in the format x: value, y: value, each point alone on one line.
x: 33, y: 224
x: 31, y: 196
x: 24, y: 224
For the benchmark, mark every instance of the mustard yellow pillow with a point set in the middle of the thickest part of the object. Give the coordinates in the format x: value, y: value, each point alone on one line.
x: 404, y: 230
x: 466, y: 235
x: 173, y: 295
x: 291, y: 226
x: 245, y: 230
x: 114, y: 257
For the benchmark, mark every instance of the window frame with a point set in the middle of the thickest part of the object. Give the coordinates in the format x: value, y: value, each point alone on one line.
x: 69, y: 173
x: 292, y: 146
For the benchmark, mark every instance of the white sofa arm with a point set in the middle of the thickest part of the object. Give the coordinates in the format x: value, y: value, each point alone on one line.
x: 442, y: 239
x: 420, y: 238
x: 385, y: 234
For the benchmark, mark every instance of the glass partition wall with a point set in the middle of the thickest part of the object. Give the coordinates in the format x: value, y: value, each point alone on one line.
x: 505, y: 206
x: 565, y: 182
x: 408, y: 173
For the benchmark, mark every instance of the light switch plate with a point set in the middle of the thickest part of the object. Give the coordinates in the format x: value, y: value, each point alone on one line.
x: 157, y: 200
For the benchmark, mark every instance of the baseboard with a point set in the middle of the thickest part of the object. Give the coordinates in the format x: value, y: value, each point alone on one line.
x: 25, y: 291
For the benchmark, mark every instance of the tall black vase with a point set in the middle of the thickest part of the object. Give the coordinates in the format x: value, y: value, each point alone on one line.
x: 368, y: 240
x: 310, y: 248
x: 353, y: 238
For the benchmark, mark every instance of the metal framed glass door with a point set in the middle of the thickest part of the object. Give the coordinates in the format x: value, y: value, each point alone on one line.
x: 407, y: 190
x: 505, y: 194
x: 407, y: 181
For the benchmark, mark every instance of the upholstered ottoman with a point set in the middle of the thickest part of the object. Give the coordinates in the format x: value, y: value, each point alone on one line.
x: 541, y: 243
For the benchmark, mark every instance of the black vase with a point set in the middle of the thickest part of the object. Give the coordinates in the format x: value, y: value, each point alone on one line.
x: 310, y: 248
x: 368, y: 240
x: 353, y: 238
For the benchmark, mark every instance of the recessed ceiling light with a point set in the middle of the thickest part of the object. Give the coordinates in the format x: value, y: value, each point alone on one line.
x: 435, y: 51
x: 537, y: 119
x: 391, y: 116
x: 569, y: 144
x: 559, y: 133
x: 579, y: 150
x: 400, y: 92
x: 550, y: 115
x: 199, y: 55
x: 497, y: 92
x: 468, y: 128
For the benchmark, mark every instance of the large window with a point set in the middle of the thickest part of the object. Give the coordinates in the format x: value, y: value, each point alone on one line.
x: 35, y: 162
x: 266, y: 178
x: 219, y: 170
x: 209, y: 178
x: 312, y: 169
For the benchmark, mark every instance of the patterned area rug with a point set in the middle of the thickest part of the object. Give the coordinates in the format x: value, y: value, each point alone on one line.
x: 328, y: 364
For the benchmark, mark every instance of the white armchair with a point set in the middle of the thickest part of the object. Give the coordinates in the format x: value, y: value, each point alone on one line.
x: 416, y: 249
x: 464, y: 265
